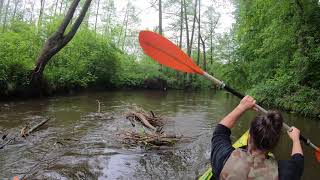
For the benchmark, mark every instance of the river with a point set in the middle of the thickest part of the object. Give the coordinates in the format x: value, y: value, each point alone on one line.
x: 75, y: 144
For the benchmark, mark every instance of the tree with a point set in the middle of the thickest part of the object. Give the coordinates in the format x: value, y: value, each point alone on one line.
x: 186, y: 23
x: 160, y: 17
x: 16, y: 3
x: 181, y: 23
x: 131, y: 20
x: 109, y: 16
x: 97, y: 13
x: 278, y: 52
x: 160, y: 23
x: 193, y: 27
x: 1, y: 6
x: 6, y: 16
x: 31, y: 13
x: 42, y: 3
x: 210, y: 25
x: 58, y: 40
x: 199, y: 27
x: 60, y: 9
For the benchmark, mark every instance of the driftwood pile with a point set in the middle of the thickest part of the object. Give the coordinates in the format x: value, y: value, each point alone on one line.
x: 152, y: 135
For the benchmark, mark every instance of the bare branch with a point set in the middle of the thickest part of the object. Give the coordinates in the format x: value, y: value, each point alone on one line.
x: 66, y: 21
x: 77, y: 23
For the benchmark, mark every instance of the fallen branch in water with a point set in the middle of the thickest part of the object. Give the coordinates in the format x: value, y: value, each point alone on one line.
x: 37, y: 126
x: 136, y: 116
x: 149, y: 120
x: 7, y: 142
x: 24, y: 132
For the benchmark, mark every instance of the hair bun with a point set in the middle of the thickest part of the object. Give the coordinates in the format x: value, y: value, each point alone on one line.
x: 265, y: 130
x: 275, y: 119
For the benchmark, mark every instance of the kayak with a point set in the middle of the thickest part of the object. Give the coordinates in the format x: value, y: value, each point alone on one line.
x: 242, y: 141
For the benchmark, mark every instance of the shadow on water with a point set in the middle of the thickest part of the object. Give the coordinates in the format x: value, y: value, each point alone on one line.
x: 76, y: 145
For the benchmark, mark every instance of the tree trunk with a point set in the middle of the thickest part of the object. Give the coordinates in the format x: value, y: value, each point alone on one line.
x: 5, y: 16
x: 124, y: 20
x: 181, y: 30
x: 199, y: 23
x: 108, y: 21
x: 160, y: 18
x: 160, y: 24
x: 23, y: 9
x: 15, y: 9
x: 213, y: 26
x: 57, y: 41
x: 211, y: 48
x: 41, y: 14
x: 125, y: 32
x: 97, y: 13
x: 1, y: 6
x: 181, y: 24
x: 66, y: 8
x: 187, y: 26
x: 204, y: 54
x: 193, y: 26
x: 56, y: 7
x: 32, y: 9
x: 60, y: 9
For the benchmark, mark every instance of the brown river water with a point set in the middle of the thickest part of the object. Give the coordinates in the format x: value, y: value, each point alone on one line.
x: 74, y: 144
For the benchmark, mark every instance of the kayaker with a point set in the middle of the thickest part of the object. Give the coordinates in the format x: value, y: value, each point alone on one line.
x: 253, y: 161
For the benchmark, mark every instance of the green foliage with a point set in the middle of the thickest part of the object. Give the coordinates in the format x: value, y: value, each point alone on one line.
x: 278, y: 55
x: 18, y: 51
x: 89, y: 60
x: 134, y: 72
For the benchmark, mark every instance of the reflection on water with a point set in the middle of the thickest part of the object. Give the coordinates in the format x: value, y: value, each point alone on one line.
x: 75, y: 145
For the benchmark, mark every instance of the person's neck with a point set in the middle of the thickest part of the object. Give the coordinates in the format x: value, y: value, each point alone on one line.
x: 256, y: 152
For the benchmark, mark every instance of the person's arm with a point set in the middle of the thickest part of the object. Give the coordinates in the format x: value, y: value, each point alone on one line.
x: 294, y: 135
x: 246, y: 103
x: 221, y: 147
x: 293, y: 168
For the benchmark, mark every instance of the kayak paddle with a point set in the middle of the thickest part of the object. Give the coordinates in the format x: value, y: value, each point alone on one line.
x: 167, y: 53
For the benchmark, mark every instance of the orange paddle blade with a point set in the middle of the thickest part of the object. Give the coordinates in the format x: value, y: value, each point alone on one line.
x: 317, y: 154
x: 167, y: 53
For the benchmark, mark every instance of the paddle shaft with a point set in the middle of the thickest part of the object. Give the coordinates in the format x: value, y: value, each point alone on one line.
x: 239, y: 95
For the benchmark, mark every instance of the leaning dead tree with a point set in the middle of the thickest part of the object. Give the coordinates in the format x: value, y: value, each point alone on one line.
x: 58, y: 40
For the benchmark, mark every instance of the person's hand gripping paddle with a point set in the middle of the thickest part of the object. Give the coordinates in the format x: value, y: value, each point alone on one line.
x: 168, y: 54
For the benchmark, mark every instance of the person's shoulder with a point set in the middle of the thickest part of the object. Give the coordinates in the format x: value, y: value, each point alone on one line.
x: 222, y: 129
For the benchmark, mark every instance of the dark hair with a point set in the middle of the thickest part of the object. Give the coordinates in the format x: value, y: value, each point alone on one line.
x: 265, y: 130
